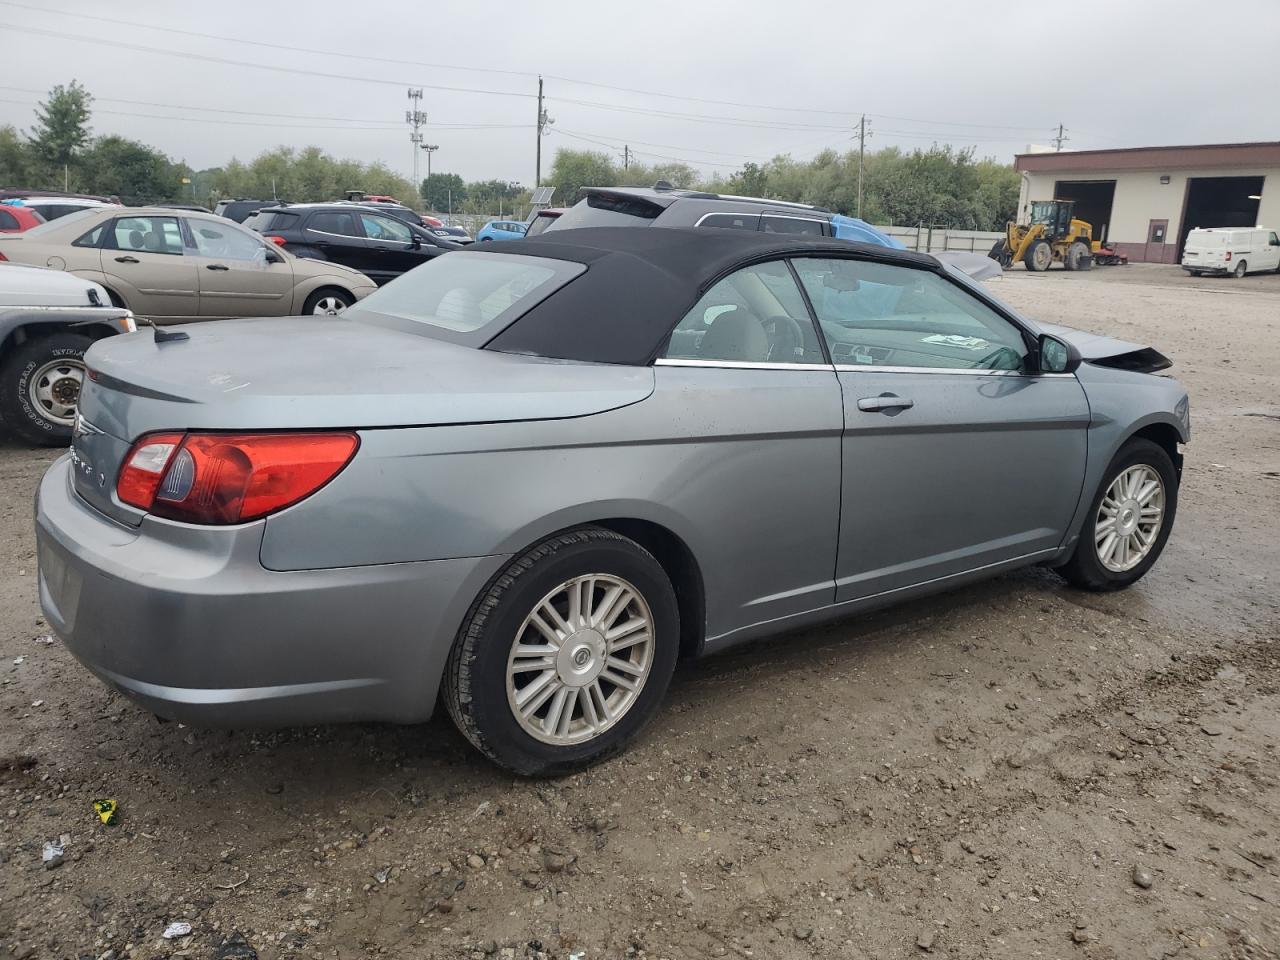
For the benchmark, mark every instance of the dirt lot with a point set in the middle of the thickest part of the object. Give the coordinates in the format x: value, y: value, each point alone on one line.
x: 1015, y: 770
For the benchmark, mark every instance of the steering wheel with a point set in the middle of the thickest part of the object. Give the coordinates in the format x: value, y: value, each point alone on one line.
x: 989, y: 362
x: 786, y: 341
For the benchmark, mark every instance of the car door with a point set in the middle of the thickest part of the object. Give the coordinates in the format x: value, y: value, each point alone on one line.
x: 1268, y: 245
x: 393, y: 248
x: 239, y: 274
x: 954, y: 458
x: 336, y: 237
x: 749, y: 388
x: 144, y: 261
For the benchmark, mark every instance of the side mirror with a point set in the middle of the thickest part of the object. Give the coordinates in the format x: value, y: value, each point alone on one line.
x: 415, y: 242
x: 1056, y: 356
x: 273, y: 256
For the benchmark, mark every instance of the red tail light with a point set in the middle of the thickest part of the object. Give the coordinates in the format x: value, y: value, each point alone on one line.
x: 220, y: 478
x: 278, y: 241
x: 3, y: 258
x: 1228, y: 256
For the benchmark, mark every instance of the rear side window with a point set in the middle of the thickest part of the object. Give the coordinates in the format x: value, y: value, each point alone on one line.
x: 8, y: 221
x: 146, y: 235
x: 733, y: 221
x: 802, y: 225
x: 466, y: 297
x: 91, y: 239
x: 608, y: 210
x: 342, y: 224
x: 262, y: 222
x: 538, y: 225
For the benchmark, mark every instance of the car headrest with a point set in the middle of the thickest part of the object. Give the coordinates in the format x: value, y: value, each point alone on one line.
x: 135, y: 239
x: 736, y: 334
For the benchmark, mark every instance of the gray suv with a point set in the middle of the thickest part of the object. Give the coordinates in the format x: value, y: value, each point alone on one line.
x: 663, y: 205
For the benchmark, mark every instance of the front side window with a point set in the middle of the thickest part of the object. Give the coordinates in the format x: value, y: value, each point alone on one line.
x: 146, y: 235
x: 225, y: 242
x: 466, y: 297
x: 877, y: 314
x: 341, y: 224
x: 385, y: 228
x: 755, y: 315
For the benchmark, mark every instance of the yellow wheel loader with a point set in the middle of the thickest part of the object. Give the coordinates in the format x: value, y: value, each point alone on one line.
x: 1052, y: 236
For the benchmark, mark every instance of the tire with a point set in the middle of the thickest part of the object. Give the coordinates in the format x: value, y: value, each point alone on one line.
x: 1085, y: 568
x: 39, y: 386
x: 1078, y: 257
x: 483, y: 701
x: 334, y: 301
x: 1241, y: 269
x: 1039, y: 256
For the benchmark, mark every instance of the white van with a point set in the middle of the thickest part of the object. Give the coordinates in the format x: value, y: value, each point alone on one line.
x: 1231, y: 250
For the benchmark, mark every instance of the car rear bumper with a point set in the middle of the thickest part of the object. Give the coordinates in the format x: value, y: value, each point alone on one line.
x: 188, y: 622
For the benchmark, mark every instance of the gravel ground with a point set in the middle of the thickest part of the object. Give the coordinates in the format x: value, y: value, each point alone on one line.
x: 1013, y: 770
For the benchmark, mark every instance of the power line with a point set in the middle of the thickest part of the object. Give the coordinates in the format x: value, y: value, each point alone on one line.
x: 492, y: 70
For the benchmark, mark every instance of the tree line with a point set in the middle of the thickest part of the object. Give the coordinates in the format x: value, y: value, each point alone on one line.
x: 940, y: 186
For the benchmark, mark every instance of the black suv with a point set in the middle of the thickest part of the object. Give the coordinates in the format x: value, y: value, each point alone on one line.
x: 238, y: 210
x: 361, y: 237
x: 665, y: 206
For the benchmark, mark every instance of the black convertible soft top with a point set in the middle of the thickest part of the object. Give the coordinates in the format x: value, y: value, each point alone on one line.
x: 640, y: 282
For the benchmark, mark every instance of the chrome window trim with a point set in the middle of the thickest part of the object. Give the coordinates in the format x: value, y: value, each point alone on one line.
x: 738, y: 364
x: 727, y: 213
x: 340, y: 236
x: 963, y: 371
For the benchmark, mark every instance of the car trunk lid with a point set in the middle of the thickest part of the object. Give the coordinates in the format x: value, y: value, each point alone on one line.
x: 314, y: 373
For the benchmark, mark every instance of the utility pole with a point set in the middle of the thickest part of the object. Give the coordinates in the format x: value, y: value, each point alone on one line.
x: 430, y: 148
x: 543, y: 122
x: 863, y: 133
x: 416, y: 120
x: 1060, y: 139
x: 626, y: 157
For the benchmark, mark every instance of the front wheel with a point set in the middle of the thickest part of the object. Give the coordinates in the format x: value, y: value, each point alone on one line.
x: 1038, y: 256
x: 1241, y: 269
x: 1129, y: 520
x: 328, y: 302
x: 566, y: 654
x: 40, y: 386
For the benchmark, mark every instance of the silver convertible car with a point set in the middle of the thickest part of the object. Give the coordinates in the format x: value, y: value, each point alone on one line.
x: 525, y: 479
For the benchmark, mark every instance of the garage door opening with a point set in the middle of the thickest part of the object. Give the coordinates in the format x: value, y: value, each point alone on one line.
x: 1220, y: 202
x: 1093, y: 202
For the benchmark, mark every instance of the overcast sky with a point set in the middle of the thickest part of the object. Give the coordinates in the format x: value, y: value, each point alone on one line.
x: 790, y: 77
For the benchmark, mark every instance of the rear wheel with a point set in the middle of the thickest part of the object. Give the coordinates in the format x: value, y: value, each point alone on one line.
x: 1129, y: 520
x: 1078, y: 257
x: 1241, y: 269
x: 1038, y: 256
x: 40, y: 386
x: 329, y: 301
x: 566, y: 655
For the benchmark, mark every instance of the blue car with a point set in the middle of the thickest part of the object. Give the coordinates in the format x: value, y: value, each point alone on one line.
x: 502, y: 230
x: 851, y: 228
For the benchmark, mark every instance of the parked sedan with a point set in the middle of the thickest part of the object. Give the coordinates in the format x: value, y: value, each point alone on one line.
x: 529, y: 476
x: 364, y: 238
x: 502, y: 230
x: 14, y: 218
x: 173, y: 266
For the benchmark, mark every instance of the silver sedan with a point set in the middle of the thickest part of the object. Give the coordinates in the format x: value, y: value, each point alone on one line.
x: 525, y: 479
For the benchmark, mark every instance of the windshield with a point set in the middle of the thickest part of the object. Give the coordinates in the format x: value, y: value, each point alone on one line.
x: 466, y: 296
x: 1044, y: 212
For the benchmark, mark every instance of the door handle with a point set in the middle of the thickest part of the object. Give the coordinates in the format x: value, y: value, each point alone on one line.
x: 127, y: 259
x: 216, y: 266
x: 885, y: 402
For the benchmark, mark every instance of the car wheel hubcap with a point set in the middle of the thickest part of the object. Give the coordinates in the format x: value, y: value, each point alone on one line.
x: 55, y: 390
x: 580, y: 659
x: 1129, y: 518
x: 329, y: 306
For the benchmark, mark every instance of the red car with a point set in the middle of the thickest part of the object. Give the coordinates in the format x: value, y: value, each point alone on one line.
x: 15, y: 219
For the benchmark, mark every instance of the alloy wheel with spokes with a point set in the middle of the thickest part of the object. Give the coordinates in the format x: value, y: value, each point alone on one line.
x: 329, y: 306
x: 580, y: 659
x: 1129, y: 518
